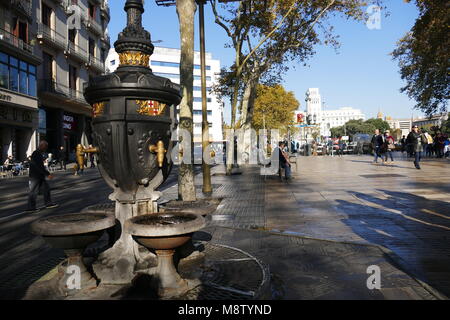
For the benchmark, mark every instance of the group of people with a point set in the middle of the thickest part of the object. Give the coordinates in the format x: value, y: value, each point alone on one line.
x: 14, y: 166
x: 437, y: 145
x: 416, y: 144
x: 383, y: 145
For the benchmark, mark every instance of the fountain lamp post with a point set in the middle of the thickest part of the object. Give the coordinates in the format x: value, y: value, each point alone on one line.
x: 133, y: 117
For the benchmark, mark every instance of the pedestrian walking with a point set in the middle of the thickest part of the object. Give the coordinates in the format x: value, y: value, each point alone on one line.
x: 389, y: 146
x: 403, y: 144
x: 38, y: 174
x: 284, y: 160
x: 428, y: 147
x: 62, y: 158
x: 417, y: 139
x: 91, y: 157
x: 340, y: 147
x: 377, y: 144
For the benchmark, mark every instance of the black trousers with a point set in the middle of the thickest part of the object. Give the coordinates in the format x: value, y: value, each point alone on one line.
x: 62, y: 164
x: 35, y: 186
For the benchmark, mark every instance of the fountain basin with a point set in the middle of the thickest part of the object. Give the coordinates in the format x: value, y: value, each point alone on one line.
x: 164, y: 232
x: 73, y: 233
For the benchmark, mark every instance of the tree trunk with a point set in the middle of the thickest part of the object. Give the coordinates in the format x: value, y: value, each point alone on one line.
x: 245, y: 144
x: 186, y: 13
x: 230, y: 146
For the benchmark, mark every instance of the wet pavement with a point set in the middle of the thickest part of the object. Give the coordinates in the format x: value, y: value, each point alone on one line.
x: 350, y: 199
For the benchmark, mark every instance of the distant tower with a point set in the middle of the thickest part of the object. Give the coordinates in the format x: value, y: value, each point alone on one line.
x: 313, y: 101
x: 380, y: 115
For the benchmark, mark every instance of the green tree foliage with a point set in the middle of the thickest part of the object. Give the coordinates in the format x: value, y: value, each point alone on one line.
x: 379, y: 124
x: 424, y: 57
x: 274, y: 108
x: 353, y: 127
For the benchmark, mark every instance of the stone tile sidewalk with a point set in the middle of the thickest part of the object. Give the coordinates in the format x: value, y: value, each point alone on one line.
x: 304, y: 212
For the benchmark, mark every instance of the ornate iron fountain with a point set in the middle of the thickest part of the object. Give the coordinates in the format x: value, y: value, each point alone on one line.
x: 133, y: 118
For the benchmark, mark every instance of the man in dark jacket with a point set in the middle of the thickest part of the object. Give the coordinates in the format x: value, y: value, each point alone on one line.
x: 38, y: 173
x: 62, y: 157
x: 377, y: 144
x: 417, y: 140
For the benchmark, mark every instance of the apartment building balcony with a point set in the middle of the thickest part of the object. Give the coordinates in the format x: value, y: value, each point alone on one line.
x: 105, y: 41
x: 23, y: 8
x: 17, y: 47
x: 51, y: 89
x: 62, y: 2
x: 76, y: 52
x: 93, y: 26
x: 105, y: 11
x: 50, y: 37
x: 96, y: 64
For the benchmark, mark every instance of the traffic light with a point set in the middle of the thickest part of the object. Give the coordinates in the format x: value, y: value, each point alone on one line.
x: 299, y: 118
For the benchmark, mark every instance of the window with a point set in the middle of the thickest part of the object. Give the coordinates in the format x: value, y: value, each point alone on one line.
x: 47, y: 66
x: 23, y: 78
x: 92, y: 47
x: 72, y: 77
x: 113, y: 62
x: 16, y: 75
x: 72, y: 35
x: 22, y: 31
x: 197, y: 88
x: 46, y: 15
x: 177, y: 76
x: 174, y: 65
x: 199, y: 112
x: 197, y: 99
x: 13, y: 74
x: 92, y: 11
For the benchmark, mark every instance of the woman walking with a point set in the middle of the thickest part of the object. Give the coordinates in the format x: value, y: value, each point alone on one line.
x: 389, y: 146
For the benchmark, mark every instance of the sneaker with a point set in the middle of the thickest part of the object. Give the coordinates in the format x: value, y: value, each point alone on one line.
x: 51, y: 205
x: 31, y: 210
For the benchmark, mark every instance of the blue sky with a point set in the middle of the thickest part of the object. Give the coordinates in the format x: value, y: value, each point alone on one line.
x: 360, y: 75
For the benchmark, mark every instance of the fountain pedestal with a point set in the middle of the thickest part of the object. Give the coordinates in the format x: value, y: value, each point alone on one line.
x: 134, y: 115
x: 164, y: 232
x: 73, y: 233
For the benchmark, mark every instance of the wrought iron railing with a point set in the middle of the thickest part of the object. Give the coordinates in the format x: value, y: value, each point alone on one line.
x: 105, y: 8
x: 23, y: 6
x: 56, y: 88
x: 96, y: 63
x: 93, y: 25
x: 75, y: 50
x: 14, y: 41
x: 49, y: 34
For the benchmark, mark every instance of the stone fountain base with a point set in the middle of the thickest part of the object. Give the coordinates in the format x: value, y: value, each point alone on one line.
x: 221, y: 272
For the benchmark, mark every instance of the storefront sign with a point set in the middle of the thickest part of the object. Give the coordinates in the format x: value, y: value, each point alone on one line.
x: 5, y: 97
x: 69, y: 123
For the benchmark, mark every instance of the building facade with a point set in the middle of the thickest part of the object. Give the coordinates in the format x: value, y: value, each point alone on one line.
x: 327, y: 119
x: 73, y: 43
x: 19, y: 61
x: 404, y: 125
x: 165, y: 62
x: 434, y: 121
x: 48, y: 50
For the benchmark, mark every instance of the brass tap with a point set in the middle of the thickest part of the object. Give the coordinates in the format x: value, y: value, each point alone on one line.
x: 159, y: 150
x: 80, y: 152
